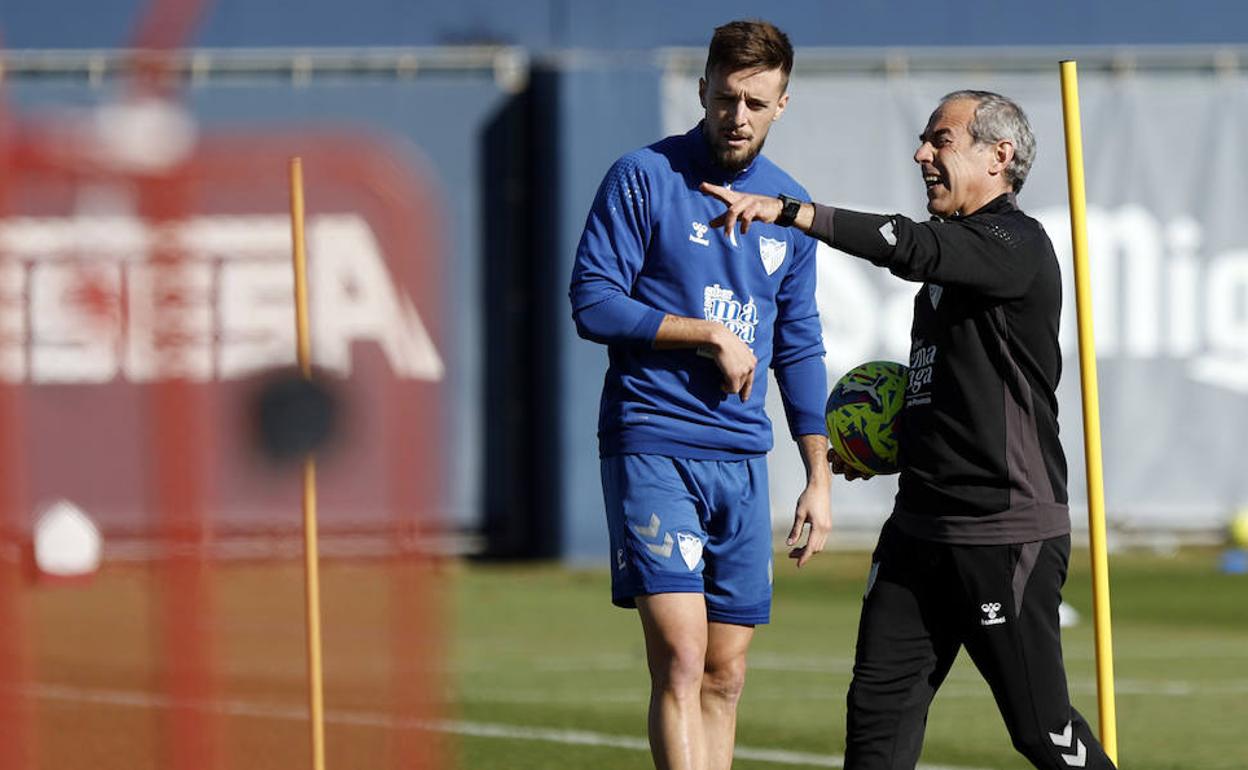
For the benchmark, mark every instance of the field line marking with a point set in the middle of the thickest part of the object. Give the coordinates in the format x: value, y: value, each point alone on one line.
x: 967, y: 687
x: 140, y: 699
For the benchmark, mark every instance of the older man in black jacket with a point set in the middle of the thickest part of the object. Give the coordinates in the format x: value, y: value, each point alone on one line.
x: 975, y: 552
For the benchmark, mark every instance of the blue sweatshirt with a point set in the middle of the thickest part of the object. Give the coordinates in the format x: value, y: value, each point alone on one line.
x: 647, y: 251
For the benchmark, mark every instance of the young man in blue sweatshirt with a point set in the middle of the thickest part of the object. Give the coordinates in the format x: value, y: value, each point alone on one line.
x: 692, y: 318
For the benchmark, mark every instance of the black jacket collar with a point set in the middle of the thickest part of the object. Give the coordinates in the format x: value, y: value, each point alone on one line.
x: 1003, y: 203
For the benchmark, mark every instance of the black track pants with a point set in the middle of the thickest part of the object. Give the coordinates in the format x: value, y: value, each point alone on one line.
x: 925, y: 601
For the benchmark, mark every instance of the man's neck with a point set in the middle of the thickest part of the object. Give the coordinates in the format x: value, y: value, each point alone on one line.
x: 982, y: 201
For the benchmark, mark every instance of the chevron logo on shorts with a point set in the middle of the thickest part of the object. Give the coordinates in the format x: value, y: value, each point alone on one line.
x: 1063, y: 740
x: 650, y: 532
x: 665, y: 549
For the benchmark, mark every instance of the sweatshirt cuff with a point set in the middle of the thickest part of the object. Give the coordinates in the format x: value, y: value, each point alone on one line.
x: 804, y: 390
x: 648, y: 326
x: 619, y: 319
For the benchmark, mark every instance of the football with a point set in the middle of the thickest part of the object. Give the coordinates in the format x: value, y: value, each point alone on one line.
x: 862, y: 413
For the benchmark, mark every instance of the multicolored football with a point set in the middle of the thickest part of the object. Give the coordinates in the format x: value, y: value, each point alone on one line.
x: 862, y: 414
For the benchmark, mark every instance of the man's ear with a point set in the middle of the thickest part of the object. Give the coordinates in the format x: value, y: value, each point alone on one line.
x: 702, y: 91
x: 1003, y: 154
x: 780, y: 105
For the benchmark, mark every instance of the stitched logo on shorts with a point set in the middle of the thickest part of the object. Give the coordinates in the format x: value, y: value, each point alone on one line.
x: 991, y: 618
x: 690, y: 549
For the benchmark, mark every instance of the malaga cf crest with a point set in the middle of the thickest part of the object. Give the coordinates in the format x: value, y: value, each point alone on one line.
x: 690, y: 549
x: 772, y: 253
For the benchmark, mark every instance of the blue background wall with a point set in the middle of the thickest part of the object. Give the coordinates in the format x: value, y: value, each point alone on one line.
x: 543, y: 24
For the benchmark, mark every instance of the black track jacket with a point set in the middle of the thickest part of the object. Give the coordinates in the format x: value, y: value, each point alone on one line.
x: 980, y: 457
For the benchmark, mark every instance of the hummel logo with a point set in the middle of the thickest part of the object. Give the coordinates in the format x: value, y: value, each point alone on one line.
x: 664, y: 549
x: 991, y: 618
x: 650, y: 531
x: 1063, y: 740
x: 699, y: 233
x: 888, y: 231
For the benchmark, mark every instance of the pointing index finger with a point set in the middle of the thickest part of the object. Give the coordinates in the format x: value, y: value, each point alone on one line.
x: 723, y: 193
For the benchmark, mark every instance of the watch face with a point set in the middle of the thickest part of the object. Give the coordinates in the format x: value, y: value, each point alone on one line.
x: 788, y: 211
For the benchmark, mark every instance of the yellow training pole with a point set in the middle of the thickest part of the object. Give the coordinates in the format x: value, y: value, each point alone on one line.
x: 1091, y: 413
x: 312, y: 578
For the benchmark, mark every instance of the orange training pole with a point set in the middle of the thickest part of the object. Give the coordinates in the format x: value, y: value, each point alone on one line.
x: 312, y: 580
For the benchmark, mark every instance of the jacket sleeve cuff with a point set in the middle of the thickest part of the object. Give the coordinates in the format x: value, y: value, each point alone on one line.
x: 821, y: 227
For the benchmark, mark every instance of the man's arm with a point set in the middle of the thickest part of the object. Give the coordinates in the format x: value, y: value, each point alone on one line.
x: 797, y: 359
x: 814, y: 505
x: 990, y: 257
x: 955, y: 253
x: 716, y: 342
x: 622, y: 319
x: 609, y: 259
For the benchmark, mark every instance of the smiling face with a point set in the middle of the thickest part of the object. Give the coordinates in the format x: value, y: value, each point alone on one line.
x: 961, y: 175
x: 740, y: 108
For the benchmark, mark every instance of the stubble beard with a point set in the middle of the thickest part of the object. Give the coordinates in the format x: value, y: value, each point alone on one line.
x: 736, y: 164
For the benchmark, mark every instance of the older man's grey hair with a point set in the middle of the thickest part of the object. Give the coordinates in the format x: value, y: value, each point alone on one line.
x: 998, y: 119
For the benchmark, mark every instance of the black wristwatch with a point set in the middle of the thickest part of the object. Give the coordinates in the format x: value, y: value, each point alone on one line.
x: 788, y: 211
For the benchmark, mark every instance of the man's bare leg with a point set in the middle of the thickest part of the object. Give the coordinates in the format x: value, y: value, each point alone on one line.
x: 676, y: 637
x: 722, y: 682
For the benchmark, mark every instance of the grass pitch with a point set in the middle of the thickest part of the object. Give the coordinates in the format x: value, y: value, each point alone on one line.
x: 546, y: 674
x: 541, y: 672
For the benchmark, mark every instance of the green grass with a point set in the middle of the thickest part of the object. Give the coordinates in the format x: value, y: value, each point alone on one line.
x: 541, y: 647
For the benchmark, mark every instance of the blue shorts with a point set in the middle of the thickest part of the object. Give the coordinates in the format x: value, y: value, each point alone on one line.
x: 691, y: 526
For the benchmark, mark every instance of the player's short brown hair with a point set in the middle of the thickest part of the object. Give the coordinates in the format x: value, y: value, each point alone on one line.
x: 750, y: 44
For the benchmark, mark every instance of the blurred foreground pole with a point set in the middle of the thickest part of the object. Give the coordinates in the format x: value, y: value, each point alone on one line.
x: 16, y: 713
x: 312, y: 577
x: 180, y: 450
x: 1091, y: 412
x: 180, y: 437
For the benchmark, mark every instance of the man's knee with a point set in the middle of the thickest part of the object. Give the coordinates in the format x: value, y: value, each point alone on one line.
x: 1041, y: 751
x: 1032, y: 745
x: 867, y: 703
x: 724, y: 678
x: 678, y: 668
